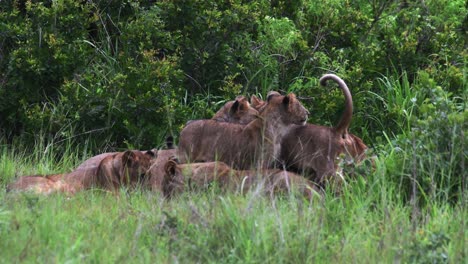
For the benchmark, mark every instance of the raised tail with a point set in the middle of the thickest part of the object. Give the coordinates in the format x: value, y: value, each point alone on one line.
x: 345, y: 121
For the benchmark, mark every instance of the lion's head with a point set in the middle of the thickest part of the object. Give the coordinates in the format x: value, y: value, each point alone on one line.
x: 238, y: 111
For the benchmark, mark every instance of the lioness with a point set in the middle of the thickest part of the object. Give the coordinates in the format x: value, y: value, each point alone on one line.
x: 179, y: 177
x: 238, y: 111
x: 39, y: 184
x: 93, y: 162
x: 127, y: 168
x: 315, y: 149
x: 46, y: 184
x: 156, y: 170
x: 124, y: 168
x: 241, y: 146
x: 258, y: 103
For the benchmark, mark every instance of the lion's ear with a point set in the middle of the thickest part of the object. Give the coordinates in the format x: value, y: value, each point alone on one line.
x: 128, y: 157
x: 151, y: 153
x: 240, y: 98
x: 174, y: 159
x: 272, y: 94
x: 255, y: 101
x: 243, y: 102
x: 289, y: 98
x: 235, y: 107
x: 170, y: 167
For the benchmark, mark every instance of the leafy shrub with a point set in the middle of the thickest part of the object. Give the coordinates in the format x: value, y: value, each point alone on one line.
x: 431, y: 248
x: 40, y: 49
x: 431, y: 164
x: 97, y: 65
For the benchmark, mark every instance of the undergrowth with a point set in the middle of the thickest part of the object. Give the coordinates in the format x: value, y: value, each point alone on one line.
x: 367, y: 222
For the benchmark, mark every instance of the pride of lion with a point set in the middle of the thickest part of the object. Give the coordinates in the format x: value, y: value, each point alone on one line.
x: 258, y: 145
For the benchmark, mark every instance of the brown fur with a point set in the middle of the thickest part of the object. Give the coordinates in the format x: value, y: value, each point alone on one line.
x: 127, y: 168
x: 315, y: 149
x: 156, y: 171
x: 45, y: 184
x: 258, y: 103
x: 93, y: 162
x: 89, y: 166
x: 179, y: 177
x: 238, y: 111
x: 241, y: 146
x: 112, y: 168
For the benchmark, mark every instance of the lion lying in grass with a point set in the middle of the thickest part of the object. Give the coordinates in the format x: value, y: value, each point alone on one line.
x: 113, y: 170
x: 127, y: 168
x: 39, y: 184
x: 180, y: 177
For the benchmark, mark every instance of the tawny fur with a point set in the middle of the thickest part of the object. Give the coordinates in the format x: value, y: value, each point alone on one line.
x: 180, y: 177
x: 238, y: 111
x: 39, y: 184
x: 104, y: 170
x: 314, y: 149
x: 156, y: 171
x: 243, y: 146
x: 127, y: 168
x: 258, y: 103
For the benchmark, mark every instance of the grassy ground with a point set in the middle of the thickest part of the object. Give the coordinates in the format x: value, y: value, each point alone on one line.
x: 367, y: 223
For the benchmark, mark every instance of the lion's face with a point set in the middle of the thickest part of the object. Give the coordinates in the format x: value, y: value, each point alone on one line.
x: 173, y: 180
x: 291, y: 111
x: 134, y: 166
x: 127, y: 168
x: 354, y: 148
x: 296, y: 111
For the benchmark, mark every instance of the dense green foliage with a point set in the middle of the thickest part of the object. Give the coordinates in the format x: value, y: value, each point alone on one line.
x: 82, y: 77
x: 134, y: 71
x: 129, y: 73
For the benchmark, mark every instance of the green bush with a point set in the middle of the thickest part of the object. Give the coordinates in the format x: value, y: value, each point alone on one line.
x: 40, y: 48
x: 97, y: 66
x: 430, y: 163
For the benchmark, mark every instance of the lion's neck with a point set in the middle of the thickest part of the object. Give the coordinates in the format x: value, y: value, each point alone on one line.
x: 275, y: 132
x: 272, y: 131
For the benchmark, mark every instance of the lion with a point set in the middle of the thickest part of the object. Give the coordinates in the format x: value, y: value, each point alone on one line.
x: 93, y: 162
x: 156, y: 170
x: 116, y: 170
x: 38, y: 184
x: 104, y: 170
x: 127, y: 168
x: 314, y: 149
x: 179, y: 177
x: 258, y: 103
x: 238, y: 111
x: 241, y: 146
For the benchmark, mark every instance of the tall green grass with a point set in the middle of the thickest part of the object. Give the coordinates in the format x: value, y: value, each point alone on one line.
x: 367, y: 223
x: 410, y: 207
x: 142, y: 227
